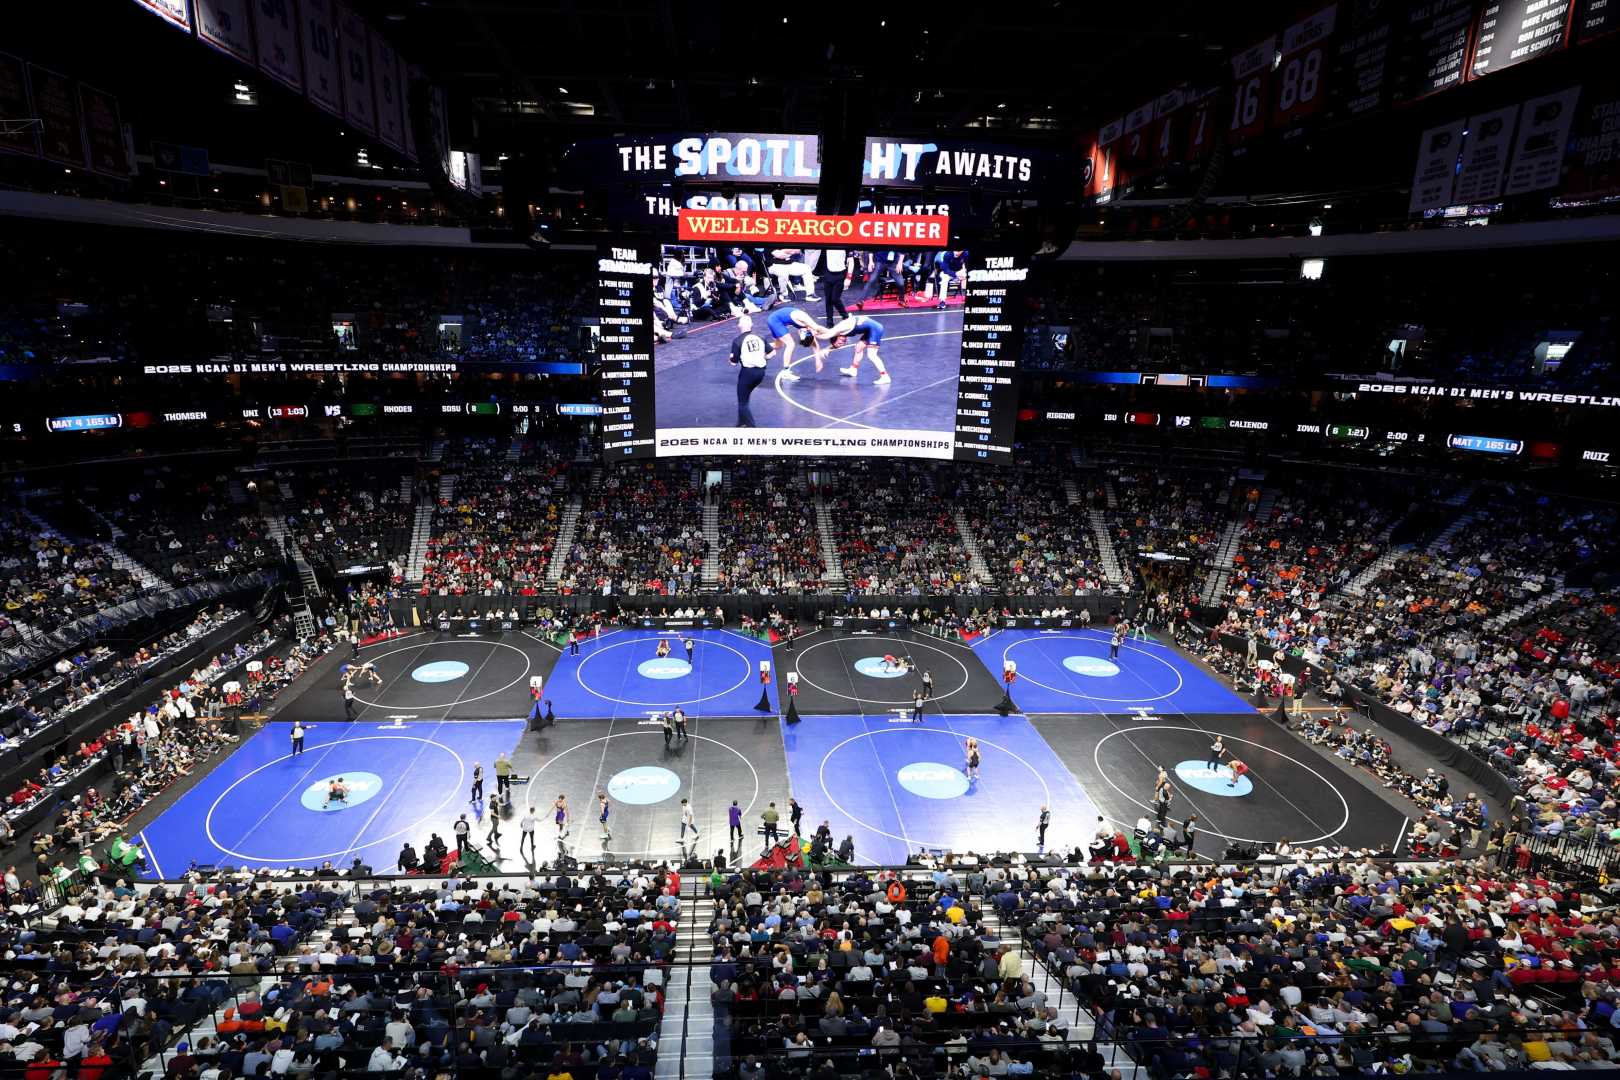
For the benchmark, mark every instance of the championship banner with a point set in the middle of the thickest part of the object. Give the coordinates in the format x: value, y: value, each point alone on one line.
x: 813, y: 230
x: 1592, y: 155
x: 1538, y: 152
x: 1485, y: 155
x: 1436, y: 166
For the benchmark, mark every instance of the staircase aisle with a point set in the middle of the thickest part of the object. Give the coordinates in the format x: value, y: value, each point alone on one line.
x: 977, y: 567
x: 831, y: 563
x: 150, y: 581
x: 1082, y: 1027
x: 1442, y: 540
x: 1550, y: 592
x: 566, y: 529
x: 711, y: 544
x: 686, y: 1038
x: 1220, y: 571
x: 1113, y: 573
x: 421, y: 533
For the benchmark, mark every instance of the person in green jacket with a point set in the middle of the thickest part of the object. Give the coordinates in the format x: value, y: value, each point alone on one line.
x: 772, y: 818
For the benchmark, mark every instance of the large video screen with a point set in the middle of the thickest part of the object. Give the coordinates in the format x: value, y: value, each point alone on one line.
x: 903, y: 352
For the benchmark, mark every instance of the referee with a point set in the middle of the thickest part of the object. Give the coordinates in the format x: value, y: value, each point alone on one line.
x: 750, y: 353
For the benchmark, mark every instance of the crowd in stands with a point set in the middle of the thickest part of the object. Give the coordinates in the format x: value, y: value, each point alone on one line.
x: 495, y: 532
x: 1416, y: 318
x: 1032, y: 540
x: 183, y: 527
x: 50, y: 580
x: 350, y: 520
x: 1434, y: 636
x: 640, y: 531
x: 896, y: 533
x: 901, y: 966
x: 554, y: 975
x: 1158, y: 510
x: 158, y: 744
x: 769, y: 540
x: 72, y: 297
x: 1317, y: 535
x: 523, y: 315
x: 1341, y: 968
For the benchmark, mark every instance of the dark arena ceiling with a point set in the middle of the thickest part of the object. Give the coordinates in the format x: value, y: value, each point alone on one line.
x: 661, y: 64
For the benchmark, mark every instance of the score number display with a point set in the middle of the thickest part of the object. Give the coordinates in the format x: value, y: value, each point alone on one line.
x: 987, y: 380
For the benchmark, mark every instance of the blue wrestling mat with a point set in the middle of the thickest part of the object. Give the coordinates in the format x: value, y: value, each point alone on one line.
x: 1069, y: 671
x: 896, y: 786
x: 620, y: 674
x: 265, y: 807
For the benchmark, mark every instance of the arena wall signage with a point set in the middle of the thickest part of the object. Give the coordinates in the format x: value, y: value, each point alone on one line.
x: 659, y: 207
x: 1486, y: 393
x: 276, y: 366
x: 761, y: 158
x: 810, y: 230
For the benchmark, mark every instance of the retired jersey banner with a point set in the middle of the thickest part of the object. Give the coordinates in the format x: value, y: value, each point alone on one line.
x: 323, y: 78
x: 176, y: 11
x: 104, y: 132
x: 56, y: 102
x: 354, y: 59
x: 226, y: 25
x: 814, y: 230
x: 14, y: 102
x: 275, y: 24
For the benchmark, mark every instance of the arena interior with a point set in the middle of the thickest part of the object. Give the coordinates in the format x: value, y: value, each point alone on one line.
x: 626, y: 540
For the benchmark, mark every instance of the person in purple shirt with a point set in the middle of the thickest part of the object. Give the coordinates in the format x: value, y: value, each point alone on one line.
x: 734, y: 815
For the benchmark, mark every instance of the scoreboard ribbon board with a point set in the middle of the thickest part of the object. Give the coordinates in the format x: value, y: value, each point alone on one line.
x: 987, y: 374
x: 624, y: 306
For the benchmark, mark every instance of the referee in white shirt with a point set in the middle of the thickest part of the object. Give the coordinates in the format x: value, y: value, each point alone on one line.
x: 750, y: 353
x: 834, y: 265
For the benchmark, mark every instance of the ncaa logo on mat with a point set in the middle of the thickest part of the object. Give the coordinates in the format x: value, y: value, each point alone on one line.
x: 643, y: 785
x: 440, y: 671
x: 362, y: 787
x: 664, y: 667
x: 932, y: 780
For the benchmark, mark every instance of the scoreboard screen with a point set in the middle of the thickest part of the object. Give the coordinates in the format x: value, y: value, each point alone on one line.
x: 750, y: 347
x: 624, y: 348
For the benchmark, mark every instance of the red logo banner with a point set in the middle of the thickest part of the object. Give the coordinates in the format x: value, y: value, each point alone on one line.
x: 754, y: 227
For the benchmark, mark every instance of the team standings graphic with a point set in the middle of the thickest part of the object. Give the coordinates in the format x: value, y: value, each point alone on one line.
x: 853, y: 353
